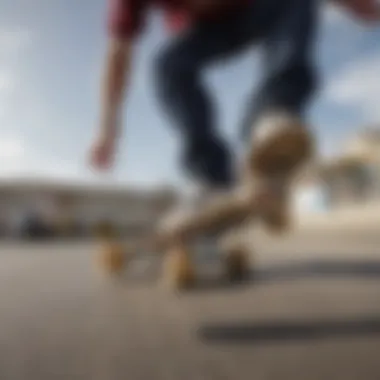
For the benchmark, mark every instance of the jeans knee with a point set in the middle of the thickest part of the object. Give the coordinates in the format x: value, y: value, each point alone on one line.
x: 210, y: 160
x: 171, y: 66
x: 307, y: 79
x: 294, y: 84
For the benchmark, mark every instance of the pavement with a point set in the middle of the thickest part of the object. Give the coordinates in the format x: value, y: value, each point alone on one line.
x: 363, y: 217
x: 310, y: 312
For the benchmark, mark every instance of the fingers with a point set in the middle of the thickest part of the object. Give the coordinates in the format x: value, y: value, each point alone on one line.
x: 101, y: 158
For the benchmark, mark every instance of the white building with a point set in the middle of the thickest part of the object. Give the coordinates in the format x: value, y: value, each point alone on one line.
x: 352, y: 176
x: 60, y: 203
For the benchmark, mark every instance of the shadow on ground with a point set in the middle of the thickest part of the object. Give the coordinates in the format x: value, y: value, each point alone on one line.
x: 285, y: 332
x: 328, y: 268
x: 289, y: 271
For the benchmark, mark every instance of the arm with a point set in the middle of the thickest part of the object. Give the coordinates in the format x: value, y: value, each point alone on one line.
x: 124, y: 21
x: 115, y: 80
x: 366, y: 10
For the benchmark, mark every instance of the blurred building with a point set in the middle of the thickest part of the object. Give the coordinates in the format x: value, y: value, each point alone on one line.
x: 68, y: 205
x: 352, y: 176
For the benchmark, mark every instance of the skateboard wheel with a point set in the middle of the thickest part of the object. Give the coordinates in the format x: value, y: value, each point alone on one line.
x: 278, y: 221
x: 178, y: 269
x: 112, y: 258
x: 105, y: 231
x: 275, y: 213
x: 237, y: 264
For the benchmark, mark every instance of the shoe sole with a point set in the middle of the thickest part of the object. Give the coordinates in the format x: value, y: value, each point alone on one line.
x: 277, y: 154
x: 281, y: 152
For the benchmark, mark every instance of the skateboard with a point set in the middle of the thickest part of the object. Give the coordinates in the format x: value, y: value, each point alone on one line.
x: 266, y: 173
x: 223, y: 221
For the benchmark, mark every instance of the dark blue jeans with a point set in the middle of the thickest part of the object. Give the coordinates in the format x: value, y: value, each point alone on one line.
x: 284, y: 29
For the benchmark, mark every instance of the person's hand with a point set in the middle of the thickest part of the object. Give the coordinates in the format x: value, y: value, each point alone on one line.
x: 365, y: 10
x: 102, y: 153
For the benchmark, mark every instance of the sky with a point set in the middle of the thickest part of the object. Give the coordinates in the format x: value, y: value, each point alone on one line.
x: 50, y: 60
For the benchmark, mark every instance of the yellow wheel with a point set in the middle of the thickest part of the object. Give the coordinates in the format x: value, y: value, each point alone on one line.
x: 236, y: 255
x: 105, y: 230
x: 112, y: 258
x: 237, y: 264
x: 278, y: 220
x: 179, y: 271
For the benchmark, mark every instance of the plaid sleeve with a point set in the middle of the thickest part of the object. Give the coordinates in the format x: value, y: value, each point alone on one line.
x: 125, y: 17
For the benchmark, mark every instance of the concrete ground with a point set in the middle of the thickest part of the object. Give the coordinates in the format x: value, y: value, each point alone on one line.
x: 310, y: 312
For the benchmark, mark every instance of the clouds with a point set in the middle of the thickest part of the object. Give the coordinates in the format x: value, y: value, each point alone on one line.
x: 12, y: 148
x: 358, y: 86
x: 347, y: 63
x: 5, y: 88
x: 9, y: 46
x: 22, y: 113
x: 5, y: 81
x: 13, y: 39
x: 333, y: 14
x: 14, y: 49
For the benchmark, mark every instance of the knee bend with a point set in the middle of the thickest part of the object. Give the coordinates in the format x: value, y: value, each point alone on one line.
x: 301, y: 79
x: 172, y: 66
x: 308, y: 80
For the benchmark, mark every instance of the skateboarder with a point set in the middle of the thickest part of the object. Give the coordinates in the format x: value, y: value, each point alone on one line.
x: 206, y: 32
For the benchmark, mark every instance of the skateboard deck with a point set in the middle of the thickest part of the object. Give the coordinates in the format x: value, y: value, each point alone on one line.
x: 277, y: 155
x: 181, y: 260
x: 221, y: 220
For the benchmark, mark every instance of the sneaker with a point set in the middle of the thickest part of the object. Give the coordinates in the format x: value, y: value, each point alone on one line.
x: 280, y: 144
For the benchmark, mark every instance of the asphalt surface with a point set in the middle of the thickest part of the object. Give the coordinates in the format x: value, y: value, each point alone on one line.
x: 311, y: 311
